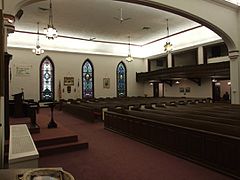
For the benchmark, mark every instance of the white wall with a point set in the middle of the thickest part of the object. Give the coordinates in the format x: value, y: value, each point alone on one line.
x: 148, y: 89
x: 70, y: 64
x: 224, y: 87
x: 218, y: 59
x: 203, y: 91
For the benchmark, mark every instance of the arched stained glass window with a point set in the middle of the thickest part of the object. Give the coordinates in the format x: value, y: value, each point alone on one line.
x: 47, y: 80
x: 87, y: 80
x: 121, y: 80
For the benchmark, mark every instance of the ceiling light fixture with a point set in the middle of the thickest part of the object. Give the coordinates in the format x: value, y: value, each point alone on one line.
x: 50, y: 31
x: 38, y: 50
x: 129, y: 57
x: 214, y: 80
x: 168, y: 46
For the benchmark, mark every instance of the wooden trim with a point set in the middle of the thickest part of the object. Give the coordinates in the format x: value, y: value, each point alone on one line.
x: 221, y: 69
x: 115, y: 42
x: 1, y: 54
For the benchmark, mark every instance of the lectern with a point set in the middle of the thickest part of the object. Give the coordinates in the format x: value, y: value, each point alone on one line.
x: 18, y: 105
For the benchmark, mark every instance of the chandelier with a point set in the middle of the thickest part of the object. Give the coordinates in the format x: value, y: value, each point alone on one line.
x: 168, y: 46
x: 129, y: 57
x: 50, y: 31
x: 38, y: 50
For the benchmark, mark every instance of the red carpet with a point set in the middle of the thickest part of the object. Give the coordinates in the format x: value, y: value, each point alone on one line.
x: 113, y: 157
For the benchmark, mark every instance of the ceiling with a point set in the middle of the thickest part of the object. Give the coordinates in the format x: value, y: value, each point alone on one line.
x: 95, y: 18
x: 77, y: 21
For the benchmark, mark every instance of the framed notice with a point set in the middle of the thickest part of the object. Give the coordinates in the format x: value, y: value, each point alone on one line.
x: 106, y: 83
x: 23, y: 70
x: 187, y: 89
x: 181, y: 90
x: 68, y: 81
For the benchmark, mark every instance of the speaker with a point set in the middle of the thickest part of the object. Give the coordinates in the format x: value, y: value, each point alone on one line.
x: 19, y: 14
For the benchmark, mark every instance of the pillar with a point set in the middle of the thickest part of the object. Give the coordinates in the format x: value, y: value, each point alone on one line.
x: 169, y: 60
x: 235, y: 76
x: 1, y: 92
x: 6, y: 27
x: 200, y: 55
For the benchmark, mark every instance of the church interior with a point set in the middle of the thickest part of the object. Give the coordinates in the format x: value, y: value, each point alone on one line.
x: 119, y: 89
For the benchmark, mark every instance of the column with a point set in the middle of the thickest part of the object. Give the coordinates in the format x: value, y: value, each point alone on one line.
x: 235, y: 76
x: 169, y: 60
x: 1, y: 92
x: 6, y: 27
x: 200, y: 55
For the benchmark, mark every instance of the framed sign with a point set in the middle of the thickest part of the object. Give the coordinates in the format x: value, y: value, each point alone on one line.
x: 106, y: 83
x: 181, y: 90
x: 68, y: 81
x: 187, y: 89
x: 23, y: 70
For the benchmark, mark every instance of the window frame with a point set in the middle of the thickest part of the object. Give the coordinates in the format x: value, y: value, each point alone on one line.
x: 53, y: 81
x: 93, y: 94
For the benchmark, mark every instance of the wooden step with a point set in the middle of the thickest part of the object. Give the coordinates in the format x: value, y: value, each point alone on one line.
x: 62, y: 148
x: 56, y: 141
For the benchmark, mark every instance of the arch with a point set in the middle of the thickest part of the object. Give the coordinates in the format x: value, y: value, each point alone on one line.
x: 47, y: 79
x: 121, y: 79
x: 87, y: 79
x: 172, y: 7
x: 194, y: 10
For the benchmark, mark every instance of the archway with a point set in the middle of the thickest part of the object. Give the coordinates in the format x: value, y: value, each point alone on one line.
x: 194, y: 10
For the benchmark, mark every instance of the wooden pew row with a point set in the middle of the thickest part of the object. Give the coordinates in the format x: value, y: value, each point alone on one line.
x: 83, y: 112
x: 216, y: 108
x: 227, y: 129
x: 218, y: 151
x: 193, y: 116
x: 90, y: 109
x: 198, y: 111
x: 201, y: 110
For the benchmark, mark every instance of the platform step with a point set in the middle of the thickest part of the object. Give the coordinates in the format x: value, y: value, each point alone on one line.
x: 56, y: 141
x: 62, y: 148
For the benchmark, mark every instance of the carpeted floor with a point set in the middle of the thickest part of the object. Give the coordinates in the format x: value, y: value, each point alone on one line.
x: 114, y: 157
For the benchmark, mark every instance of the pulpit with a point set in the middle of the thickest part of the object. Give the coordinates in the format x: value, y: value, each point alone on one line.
x: 18, y: 105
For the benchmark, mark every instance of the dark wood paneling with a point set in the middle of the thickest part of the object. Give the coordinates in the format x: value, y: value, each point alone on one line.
x: 220, y: 152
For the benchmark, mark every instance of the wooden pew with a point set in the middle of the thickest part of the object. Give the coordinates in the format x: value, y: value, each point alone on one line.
x: 217, y: 150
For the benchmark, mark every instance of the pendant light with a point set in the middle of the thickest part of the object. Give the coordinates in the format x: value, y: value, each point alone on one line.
x: 38, y: 50
x: 129, y: 57
x: 50, y: 31
x: 168, y: 46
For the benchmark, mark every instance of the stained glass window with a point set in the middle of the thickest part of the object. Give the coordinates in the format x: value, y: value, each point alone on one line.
x: 47, y: 80
x: 87, y: 80
x: 121, y: 80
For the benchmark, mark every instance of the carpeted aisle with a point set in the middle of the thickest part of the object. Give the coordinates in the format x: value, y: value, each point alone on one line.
x: 114, y: 157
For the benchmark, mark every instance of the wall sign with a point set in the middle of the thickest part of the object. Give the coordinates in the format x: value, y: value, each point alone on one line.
x: 68, y: 81
x: 106, y: 83
x: 23, y: 70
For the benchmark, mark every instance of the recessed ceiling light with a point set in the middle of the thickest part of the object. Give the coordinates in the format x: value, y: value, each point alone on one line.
x: 92, y: 38
x: 43, y: 9
x: 146, y: 28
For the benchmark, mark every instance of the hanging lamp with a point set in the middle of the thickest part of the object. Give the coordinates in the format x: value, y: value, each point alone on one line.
x: 38, y: 50
x: 168, y: 46
x: 50, y: 31
x: 129, y: 58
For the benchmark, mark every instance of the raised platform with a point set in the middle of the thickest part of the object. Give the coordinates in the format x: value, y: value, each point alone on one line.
x: 52, y: 141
